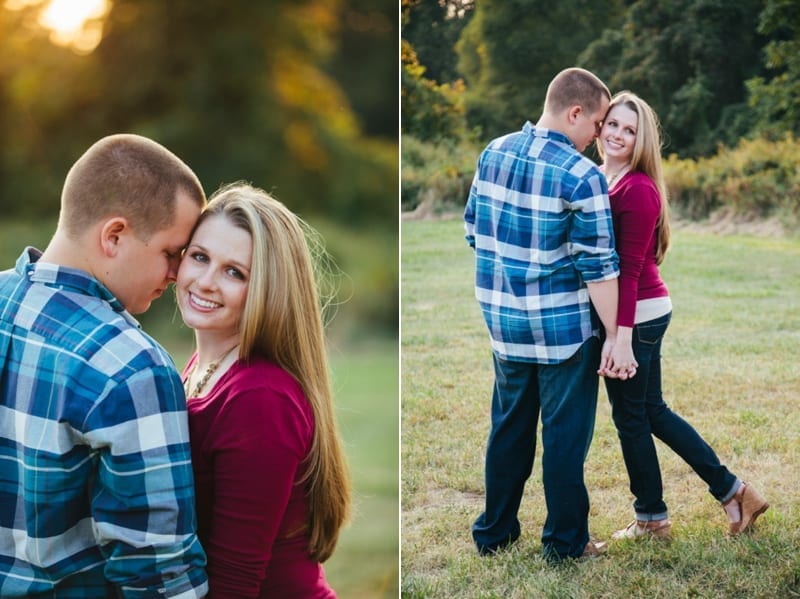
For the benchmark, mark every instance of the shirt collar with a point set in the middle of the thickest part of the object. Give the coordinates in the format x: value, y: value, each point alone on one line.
x: 64, y: 277
x: 530, y: 129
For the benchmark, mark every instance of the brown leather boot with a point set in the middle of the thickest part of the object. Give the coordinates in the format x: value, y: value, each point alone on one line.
x: 751, y: 506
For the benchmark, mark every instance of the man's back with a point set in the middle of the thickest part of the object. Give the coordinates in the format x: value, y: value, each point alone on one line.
x: 95, y: 479
x: 538, y: 219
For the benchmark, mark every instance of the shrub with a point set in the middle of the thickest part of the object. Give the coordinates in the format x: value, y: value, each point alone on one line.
x: 759, y: 178
x: 428, y: 110
x: 439, y: 173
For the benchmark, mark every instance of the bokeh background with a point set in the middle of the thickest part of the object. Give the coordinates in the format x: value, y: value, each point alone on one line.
x: 299, y: 97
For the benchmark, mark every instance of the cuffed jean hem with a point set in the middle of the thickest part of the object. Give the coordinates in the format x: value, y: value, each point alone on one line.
x: 651, y: 517
x: 729, y: 495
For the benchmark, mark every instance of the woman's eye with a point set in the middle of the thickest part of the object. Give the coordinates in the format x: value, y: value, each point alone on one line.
x: 236, y: 274
x: 199, y: 257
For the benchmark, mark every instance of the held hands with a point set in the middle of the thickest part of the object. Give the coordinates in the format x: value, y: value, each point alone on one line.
x: 616, y: 359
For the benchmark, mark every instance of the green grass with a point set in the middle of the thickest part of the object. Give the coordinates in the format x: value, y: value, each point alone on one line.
x: 730, y: 368
x: 366, y: 563
x: 365, y: 372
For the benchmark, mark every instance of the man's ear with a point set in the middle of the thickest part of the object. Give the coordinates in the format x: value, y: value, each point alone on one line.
x: 573, y: 113
x: 111, y: 234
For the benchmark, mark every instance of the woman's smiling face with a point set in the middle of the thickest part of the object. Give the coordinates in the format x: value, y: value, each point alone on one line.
x: 618, y: 134
x: 214, y: 276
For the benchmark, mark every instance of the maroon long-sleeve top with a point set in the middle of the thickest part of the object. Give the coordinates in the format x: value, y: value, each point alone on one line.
x: 635, y: 207
x: 249, y: 437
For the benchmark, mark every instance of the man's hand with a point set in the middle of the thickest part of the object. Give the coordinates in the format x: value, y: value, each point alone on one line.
x: 620, y: 362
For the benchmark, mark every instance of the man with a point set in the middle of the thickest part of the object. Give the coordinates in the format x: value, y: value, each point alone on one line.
x: 96, y: 487
x: 539, y: 221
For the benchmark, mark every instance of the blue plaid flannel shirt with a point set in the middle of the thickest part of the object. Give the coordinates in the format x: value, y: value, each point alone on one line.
x: 539, y: 220
x: 96, y: 484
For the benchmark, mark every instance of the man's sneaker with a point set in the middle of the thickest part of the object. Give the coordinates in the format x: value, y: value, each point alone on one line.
x: 658, y: 529
x: 594, y: 549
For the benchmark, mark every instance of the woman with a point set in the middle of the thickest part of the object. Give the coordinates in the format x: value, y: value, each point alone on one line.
x: 271, y: 479
x: 630, y: 146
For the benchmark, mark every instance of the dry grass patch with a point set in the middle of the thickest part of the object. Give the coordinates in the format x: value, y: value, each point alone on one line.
x: 730, y: 369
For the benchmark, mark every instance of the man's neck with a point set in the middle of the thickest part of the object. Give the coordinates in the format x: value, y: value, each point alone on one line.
x: 65, y: 251
x: 548, y: 122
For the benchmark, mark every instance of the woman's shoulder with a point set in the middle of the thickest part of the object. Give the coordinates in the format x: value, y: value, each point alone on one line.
x: 638, y: 178
x: 260, y: 374
x: 637, y: 186
x: 261, y: 395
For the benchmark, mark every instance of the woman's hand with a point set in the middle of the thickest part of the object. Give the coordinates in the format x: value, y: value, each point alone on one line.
x: 620, y: 363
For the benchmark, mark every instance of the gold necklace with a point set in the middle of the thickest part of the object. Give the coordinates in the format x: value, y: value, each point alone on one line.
x: 211, y: 369
x: 617, y: 175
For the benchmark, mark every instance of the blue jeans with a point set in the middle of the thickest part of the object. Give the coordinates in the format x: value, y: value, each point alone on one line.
x: 566, y: 396
x: 639, y: 412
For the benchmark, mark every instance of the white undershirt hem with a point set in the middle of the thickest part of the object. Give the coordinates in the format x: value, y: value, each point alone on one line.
x: 650, y: 309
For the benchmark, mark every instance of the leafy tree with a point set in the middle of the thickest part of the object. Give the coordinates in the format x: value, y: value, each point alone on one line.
x: 429, y: 111
x: 776, y: 101
x: 688, y: 59
x: 433, y: 27
x: 511, y: 49
x: 250, y: 101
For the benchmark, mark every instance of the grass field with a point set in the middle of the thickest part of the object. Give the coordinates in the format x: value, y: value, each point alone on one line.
x: 730, y: 368
x: 366, y: 562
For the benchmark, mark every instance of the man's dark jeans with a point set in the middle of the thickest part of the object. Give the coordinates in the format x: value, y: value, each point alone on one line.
x: 565, y: 395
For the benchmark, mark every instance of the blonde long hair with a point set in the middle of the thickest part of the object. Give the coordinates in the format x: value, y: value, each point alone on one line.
x: 646, y: 158
x: 282, y: 321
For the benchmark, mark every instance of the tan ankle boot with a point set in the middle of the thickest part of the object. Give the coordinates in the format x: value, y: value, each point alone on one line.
x: 751, y: 506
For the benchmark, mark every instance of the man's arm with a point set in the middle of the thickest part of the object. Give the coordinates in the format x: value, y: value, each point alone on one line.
x: 616, y: 359
x: 605, y: 298
x: 592, y: 241
x: 469, y: 213
x: 143, y: 499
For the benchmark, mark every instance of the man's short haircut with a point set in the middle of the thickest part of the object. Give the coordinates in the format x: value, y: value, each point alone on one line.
x: 129, y: 176
x: 575, y: 86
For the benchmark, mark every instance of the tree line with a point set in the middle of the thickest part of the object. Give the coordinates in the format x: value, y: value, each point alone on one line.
x: 716, y: 71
